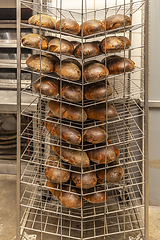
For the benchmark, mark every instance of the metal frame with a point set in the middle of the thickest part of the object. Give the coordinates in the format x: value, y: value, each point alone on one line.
x: 121, y: 214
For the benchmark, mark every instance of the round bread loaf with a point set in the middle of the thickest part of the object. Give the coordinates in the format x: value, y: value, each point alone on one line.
x: 55, y: 171
x: 55, y: 45
x: 97, y: 91
x: 68, y: 112
x: 114, y: 44
x: 75, y: 44
x: 47, y: 86
x: 68, y: 134
x: 44, y: 21
x: 92, y: 27
x: 74, y: 157
x: 113, y: 174
x: 33, y: 40
x: 66, y: 196
x: 104, y: 154
x: 89, y: 50
x: 115, y: 64
x: 70, y: 69
x: 94, y: 71
x: 117, y: 21
x: 68, y: 25
x: 89, y: 179
x: 95, y: 135
x: 33, y: 62
x: 71, y: 92
x: 98, y: 112
x: 97, y: 195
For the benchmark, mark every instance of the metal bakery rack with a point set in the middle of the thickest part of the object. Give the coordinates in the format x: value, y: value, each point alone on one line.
x: 124, y: 213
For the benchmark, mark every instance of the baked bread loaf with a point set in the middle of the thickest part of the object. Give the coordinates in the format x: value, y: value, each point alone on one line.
x: 44, y: 21
x: 68, y: 112
x: 74, y: 157
x: 71, y: 92
x: 89, y: 50
x: 115, y: 44
x: 94, y: 71
x: 97, y: 91
x: 117, y: 21
x: 75, y: 44
x: 33, y: 62
x: 92, y: 27
x: 47, y: 86
x: 98, y: 112
x: 104, y: 154
x: 89, y: 179
x: 69, y: 199
x: 68, y: 134
x: 115, y: 64
x: 95, y: 195
x: 113, y: 174
x: 55, y: 45
x: 55, y: 171
x: 95, y: 135
x: 33, y: 40
x: 68, y: 25
x: 53, y: 58
x: 70, y: 69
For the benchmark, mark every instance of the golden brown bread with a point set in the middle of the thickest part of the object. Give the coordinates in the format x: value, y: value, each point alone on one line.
x: 33, y: 62
x: 68, y: 25
x: 98, y: 112
x: 71, y: 92
x: 94, y: 71
x: 95, y: 135
x: 89, y: 50
x: 117, y: 21
x: 33, y: 40
x: 113, y: 175
x: 115, y: 64
x: 89, y: 179
x: 53, y: 58
x: 75, y: 44
x: 69, y: 199
x: 44, y: 20
x: 68, y: 112
x: 114, y: 44
x: 92, y: 27
x: 47, y: 86
x: 55, y: 171
x: 68, y: 134
x: 74, y: 157
x: 70, y: 69
x: 56, y: 45
x: 104, y: 155
x: 95, y: 195
x: 97, y: 91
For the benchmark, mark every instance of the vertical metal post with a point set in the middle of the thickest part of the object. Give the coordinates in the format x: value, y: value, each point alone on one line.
x: 146, y: 110
x: 18, y: 117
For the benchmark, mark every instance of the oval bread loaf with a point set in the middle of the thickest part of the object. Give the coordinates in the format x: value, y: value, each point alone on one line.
x: 115, y: 64
x: 98, y: 112
x: 45, y: 20
x: 68, y: 25
x: 102, y: 155
x: 68, y: 134
x: 89, y: 50
x: 97, y: 91
x: 72, y: 92
x: 47, y: 86
x: 117, y: 21
x: 92, y: 27
x: 33, y: 62
x: 68, y: 112
x: 114, y: 44
x: 74, y: 157
x: 95, y: 135
x: 97, y: 195
x: 94, y: 71
x: 55, y: 171
x: 68, y: 198
x: 56, y: 45
x: 33, y: 40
